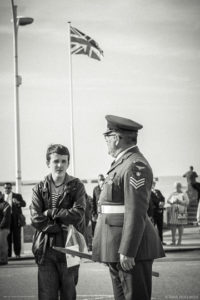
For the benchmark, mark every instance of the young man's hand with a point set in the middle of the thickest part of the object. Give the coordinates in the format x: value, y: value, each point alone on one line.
x: 50, y: 213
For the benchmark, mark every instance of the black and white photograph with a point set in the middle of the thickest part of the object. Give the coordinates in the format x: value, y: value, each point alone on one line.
x: 100, y: 150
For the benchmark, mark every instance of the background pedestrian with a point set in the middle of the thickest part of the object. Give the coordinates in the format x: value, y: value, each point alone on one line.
x: 5, y: 216
x: 96, y: 193
x: 178, y: 212
x: 16, y: 203
x: 157, y: 201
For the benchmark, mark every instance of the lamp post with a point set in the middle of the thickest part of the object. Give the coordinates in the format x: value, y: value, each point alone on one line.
x: 17, y: 21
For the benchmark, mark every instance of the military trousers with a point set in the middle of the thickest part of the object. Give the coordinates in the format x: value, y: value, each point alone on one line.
x: 135, y: 284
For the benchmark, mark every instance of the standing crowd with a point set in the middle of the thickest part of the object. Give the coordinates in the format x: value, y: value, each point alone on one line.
x: 122, y: 223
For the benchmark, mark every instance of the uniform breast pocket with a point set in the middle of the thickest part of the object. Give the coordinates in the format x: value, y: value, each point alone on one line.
x: 109, y: 187
x: 106, y: 193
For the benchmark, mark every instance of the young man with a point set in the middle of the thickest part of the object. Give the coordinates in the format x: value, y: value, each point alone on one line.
x: 57, y: 202
x: 125, y: 238
x: 5, y: 215
x: 16, y: 203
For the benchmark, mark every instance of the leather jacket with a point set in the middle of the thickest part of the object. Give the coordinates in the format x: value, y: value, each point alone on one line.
x: 70, y: 209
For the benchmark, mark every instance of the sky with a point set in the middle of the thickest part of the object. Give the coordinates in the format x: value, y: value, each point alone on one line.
x: 150, y: 73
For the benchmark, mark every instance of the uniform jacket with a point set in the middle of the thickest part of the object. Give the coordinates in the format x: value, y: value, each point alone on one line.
x: 16, y: 209
x: 70, y: 209
x: 4, y: 215
x: 128, y: 183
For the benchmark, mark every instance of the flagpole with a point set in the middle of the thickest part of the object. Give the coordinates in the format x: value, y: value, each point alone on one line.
x: 71, y: 108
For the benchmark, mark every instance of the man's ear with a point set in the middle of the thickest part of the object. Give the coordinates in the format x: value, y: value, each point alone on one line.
x: 47, y: 162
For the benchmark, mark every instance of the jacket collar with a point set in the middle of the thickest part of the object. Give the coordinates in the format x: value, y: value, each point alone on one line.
x: 123, y: 157
x: 48, y: 178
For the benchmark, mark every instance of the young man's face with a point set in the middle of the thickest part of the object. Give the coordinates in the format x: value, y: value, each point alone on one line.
x: 58, y: 164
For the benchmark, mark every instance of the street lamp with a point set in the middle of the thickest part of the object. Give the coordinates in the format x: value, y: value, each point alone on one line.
x: 17, y: 21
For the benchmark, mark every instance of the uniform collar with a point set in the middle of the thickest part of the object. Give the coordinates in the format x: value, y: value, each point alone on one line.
x: 125, y: 154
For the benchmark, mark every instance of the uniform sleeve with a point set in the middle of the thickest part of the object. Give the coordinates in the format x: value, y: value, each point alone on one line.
x: 137, y: 188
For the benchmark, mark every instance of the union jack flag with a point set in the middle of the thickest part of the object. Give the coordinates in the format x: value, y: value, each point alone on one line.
x: 83, y: 44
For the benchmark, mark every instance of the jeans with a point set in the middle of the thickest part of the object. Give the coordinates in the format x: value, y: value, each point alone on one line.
x: 55, y: 279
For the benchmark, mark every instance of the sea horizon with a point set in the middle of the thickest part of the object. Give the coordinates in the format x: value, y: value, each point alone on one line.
x: 164, y: 183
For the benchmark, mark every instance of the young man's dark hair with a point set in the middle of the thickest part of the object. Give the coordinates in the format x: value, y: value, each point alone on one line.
x: 57, y: 148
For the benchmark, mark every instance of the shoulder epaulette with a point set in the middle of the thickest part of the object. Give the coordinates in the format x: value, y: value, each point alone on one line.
x: 138, y: 157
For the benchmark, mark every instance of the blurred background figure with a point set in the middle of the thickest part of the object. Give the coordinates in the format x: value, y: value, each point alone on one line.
x: 156, y: 209
x: 96, y: 193
x: 191, y: 177
x: 88, y: 221
x: 16, y: 203
x: 5, y: 215
x: 178, y: 214
x: 198, y: 214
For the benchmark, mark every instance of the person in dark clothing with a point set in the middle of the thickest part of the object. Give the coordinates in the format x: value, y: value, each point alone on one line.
x: 156, y: 209
x: 191, y: 176
x: 5, y: 216
x: 88, y: 221
x: 96, y: 193
x: 57, y: 203
x: 16, y: 203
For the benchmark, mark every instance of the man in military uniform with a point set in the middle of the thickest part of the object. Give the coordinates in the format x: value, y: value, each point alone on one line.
x: 125, y: 238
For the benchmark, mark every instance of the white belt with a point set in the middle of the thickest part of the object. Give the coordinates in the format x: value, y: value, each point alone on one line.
x: 112, y: 209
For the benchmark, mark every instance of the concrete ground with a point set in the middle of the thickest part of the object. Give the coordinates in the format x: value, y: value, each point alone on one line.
x: 179, y: 274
